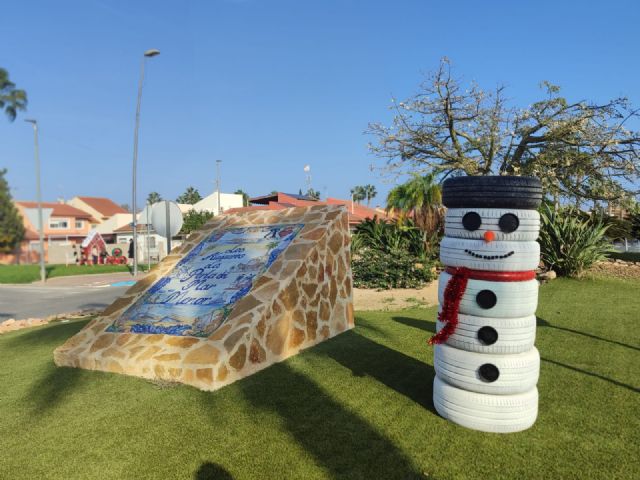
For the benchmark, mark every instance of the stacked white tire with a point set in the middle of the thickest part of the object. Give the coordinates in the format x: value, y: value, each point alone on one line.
x: 488, y: 368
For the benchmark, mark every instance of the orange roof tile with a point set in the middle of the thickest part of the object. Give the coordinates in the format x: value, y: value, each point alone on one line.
x: 105, y: 206
x: 357, y: 212
x: 128, y: 228
x: 59, y: 209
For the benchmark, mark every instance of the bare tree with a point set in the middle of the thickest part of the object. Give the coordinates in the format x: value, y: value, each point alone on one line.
x: 580, y: 150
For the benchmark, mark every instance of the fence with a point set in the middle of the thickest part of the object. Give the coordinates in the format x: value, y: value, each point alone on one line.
x: 627, y: 246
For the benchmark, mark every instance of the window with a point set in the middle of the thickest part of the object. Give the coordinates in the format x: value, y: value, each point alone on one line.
x: 58, y: 224
x: 79, y: 223
x: 152, y: 242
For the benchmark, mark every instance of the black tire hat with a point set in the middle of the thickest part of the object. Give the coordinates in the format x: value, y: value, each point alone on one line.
x: 492, y: 192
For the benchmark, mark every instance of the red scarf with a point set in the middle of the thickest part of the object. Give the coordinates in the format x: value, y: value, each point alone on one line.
x: 455, y: 289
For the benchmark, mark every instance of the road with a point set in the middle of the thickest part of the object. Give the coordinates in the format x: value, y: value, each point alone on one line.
x: 60, y: 295
x: 39, y: 302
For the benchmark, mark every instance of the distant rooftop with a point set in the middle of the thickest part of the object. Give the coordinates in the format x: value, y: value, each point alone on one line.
x: 273, y: 197
x: 59, y: 209
x: 105, y: 206
x: 277, y: 201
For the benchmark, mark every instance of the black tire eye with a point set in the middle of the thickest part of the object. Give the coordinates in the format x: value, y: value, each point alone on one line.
x: 508, y: 223
x: 488, y: 335
x: 471, y: 221
x: 489, y: 372
x: 486, y: 299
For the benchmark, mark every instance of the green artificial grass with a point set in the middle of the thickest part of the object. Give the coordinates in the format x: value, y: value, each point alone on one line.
x: 357, y: 407
x: 31, y: 273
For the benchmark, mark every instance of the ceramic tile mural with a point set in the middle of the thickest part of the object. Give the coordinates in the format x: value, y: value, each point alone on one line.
x: 266, y: 284
x: 198, y: 295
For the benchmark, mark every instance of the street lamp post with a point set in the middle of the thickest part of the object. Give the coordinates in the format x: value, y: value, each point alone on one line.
x: 147, y: 238
x: 34, y: 124
x: 218, y: 162
x: 148, y: 54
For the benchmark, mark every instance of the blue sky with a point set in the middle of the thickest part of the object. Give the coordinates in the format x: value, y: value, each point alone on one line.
x: 269, y: 86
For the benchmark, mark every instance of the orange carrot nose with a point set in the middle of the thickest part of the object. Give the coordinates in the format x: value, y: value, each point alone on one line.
x: 489, y: 236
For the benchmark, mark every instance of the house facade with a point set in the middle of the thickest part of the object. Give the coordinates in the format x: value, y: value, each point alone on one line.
x: 152, y: 247
x: 100, y: 208
x: 62, y: 225
x: 61, y: 222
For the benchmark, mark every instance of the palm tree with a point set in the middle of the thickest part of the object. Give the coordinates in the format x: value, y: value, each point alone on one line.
x: 153, y: 197
x: 419, y: 198
x: 369, y: 192
x: 190, y: 196
x: 358, y: 194
x: 11, y: 99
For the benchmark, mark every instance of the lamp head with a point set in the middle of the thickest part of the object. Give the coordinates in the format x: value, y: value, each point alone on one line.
x: 152, y: 52
x: 31, y: 121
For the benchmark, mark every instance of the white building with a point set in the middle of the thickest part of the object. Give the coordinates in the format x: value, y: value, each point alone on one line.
x: 113, y: 223
x: 210, y: 202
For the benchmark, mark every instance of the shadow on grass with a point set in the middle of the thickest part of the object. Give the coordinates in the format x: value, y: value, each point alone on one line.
x: 55, y: 334
x: 543, y: 323
x: 369, y: 326
x: 212, y: 471
x: 591, y: 374
x: 53, y: 387
x: 425, y: 325
x: 402, y: 373
x: 342, y: 442
x: 56, y: 382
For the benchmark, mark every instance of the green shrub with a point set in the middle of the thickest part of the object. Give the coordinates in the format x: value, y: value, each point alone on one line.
x: 570, y: 244
x: 393, y: 237
x: 617, y: 228
x: 374, y: 268
x: 392, y: 255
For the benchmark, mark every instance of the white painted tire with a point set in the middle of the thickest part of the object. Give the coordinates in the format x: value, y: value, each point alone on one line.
x: 516, y: 373
x: 486, y: 413
x: 527, y: 230
x: 492, y: 335
x: 459, y: 252
x: 513, y: 299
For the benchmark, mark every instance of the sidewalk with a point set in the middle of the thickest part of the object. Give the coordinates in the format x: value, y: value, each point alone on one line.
x: 91, y: 280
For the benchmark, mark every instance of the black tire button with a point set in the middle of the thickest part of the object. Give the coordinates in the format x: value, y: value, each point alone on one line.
x: 489, y: 372
x: 486, y: 299
x: 487, y: 335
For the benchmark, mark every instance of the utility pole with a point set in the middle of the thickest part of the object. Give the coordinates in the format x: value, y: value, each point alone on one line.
x: 34, y: 123
x: 307, y: 171
x: 147, y: 239
x: 147, y: 54
x: 218, y: 162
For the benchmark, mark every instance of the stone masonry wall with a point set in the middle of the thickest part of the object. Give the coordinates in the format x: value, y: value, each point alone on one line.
x: 303, y: 298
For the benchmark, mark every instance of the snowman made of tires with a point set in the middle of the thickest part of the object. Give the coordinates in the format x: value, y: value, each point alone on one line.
x: 485, y: 361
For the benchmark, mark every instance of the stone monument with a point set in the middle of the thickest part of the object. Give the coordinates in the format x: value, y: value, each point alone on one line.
x: 244, y: 292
